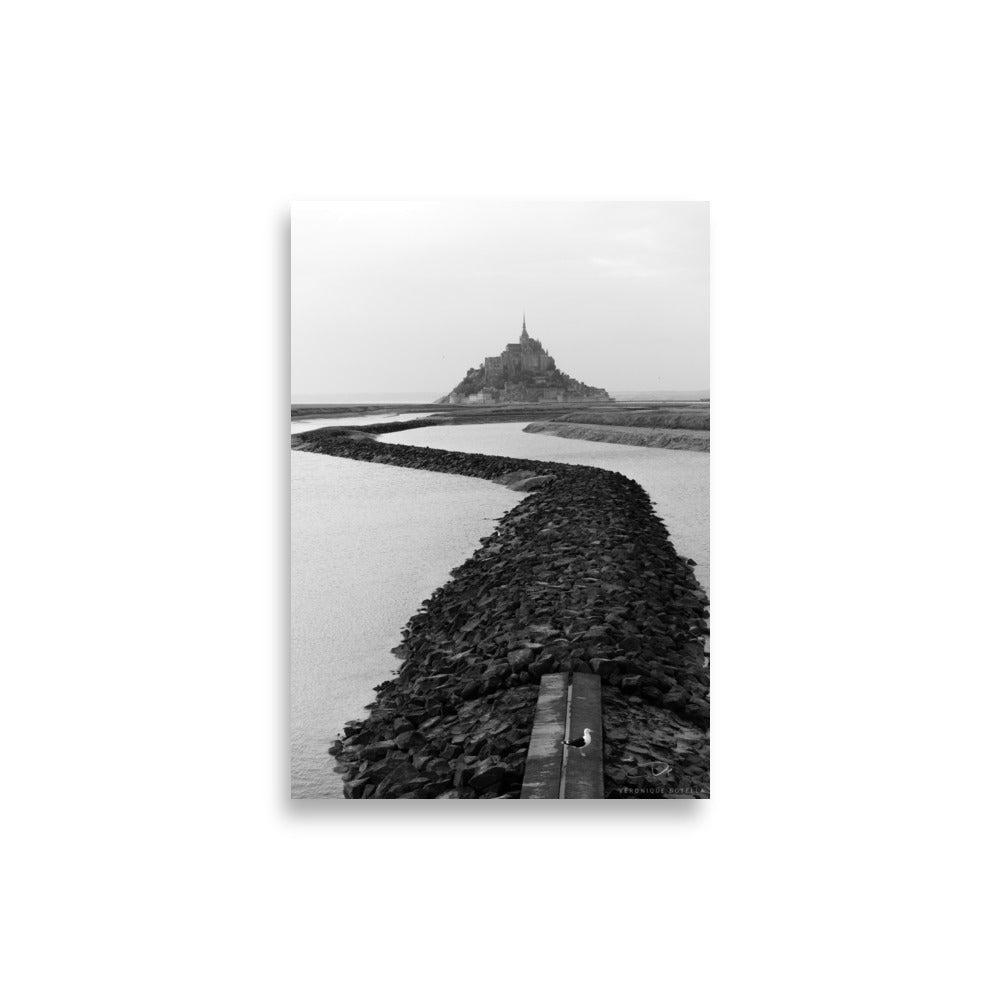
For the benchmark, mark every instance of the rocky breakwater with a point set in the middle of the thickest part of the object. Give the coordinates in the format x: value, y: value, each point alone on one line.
x: 579, y: 577
x: 302, y: 440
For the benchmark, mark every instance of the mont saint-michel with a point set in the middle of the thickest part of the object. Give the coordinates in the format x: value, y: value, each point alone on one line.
x: 500, y: 579
x: 523, y: 372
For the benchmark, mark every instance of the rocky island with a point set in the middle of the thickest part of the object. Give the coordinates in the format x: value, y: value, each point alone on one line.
x: 523, y: 372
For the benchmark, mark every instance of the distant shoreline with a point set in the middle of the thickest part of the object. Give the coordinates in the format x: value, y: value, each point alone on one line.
x: 496, y: 413
x: 388, y: 400
x: 643, y: 437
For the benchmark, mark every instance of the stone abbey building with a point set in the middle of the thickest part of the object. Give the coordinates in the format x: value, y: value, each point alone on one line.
x: 522, y: 372
x: 526, y: 355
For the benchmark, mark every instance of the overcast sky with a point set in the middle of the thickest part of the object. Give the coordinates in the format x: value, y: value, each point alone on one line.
x: 392, y: 297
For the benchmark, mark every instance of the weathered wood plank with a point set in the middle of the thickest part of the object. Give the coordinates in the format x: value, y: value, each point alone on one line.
x: 543, y: 767
x: 585, y: 769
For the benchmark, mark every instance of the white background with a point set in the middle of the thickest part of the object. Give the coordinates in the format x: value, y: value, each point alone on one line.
x: 151, y: 153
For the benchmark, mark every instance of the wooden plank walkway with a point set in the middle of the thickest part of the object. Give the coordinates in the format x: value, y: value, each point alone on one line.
x: 564, y: 710
x: 583, y: 777
x: 543, y: 768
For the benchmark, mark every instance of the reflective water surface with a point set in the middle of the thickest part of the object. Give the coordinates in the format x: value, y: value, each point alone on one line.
x: 368, y: 544
x: 359, y: 419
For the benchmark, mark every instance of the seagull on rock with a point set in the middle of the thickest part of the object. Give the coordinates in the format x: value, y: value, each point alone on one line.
x: 581, y: 742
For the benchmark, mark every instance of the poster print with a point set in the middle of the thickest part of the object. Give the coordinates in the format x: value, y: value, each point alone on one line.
x: 499, y: 500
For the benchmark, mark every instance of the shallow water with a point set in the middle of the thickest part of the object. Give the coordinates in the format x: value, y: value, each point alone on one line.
x: 368, y: 544
x: 676, y: 481
x: 357, y: 419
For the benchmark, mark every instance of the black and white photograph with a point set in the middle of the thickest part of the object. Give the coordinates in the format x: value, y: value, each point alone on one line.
x: 500, y: 500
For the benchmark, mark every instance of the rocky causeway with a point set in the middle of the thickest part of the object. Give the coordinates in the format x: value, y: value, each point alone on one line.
x: 580, y: 576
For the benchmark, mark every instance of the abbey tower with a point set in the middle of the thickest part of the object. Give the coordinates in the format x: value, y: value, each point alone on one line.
x: 523, y: 372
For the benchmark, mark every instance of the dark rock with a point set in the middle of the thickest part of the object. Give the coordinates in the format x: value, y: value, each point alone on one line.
x: 537, y: 669
x: 355, y: 789
x: 410, y: 739
x: 520, y: 658
x: 437, y: 789
x: 487, y: 774
x: 376, y: 751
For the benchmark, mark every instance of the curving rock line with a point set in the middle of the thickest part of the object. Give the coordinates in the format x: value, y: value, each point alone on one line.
x: 579, y: 576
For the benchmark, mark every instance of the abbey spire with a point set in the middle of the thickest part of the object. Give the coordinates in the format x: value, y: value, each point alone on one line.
x: 523, y: 372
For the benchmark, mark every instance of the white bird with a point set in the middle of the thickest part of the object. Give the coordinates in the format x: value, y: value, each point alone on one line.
x: 581, y: 742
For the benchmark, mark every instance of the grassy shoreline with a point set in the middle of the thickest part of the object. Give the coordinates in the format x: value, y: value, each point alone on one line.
x: 642, y: 437
x: 681, y: 426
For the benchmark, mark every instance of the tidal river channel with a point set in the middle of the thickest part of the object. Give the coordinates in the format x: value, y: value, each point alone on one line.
x: 370, y: 542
